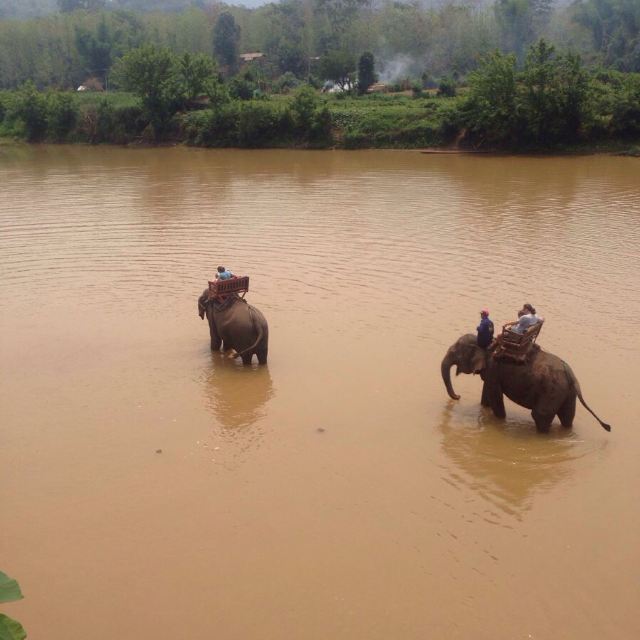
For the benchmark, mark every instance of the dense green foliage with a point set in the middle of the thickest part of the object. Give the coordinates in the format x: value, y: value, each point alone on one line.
x: 165, y: 82
x: 552, y: 101
x: 408, y: 39
x: 10, y: 629
x: 226, y: 41
x: 614, y: 26
x: 507, y: 73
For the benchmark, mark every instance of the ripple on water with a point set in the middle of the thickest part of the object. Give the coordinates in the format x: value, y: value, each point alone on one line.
x: 453, y: 236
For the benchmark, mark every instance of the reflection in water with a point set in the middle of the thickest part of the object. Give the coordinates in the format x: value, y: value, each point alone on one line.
x: 237, y: 396
x: 505, y: 464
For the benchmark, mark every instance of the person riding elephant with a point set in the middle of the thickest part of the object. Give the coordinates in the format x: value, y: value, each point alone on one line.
x: 544, y: 383
x: 527, y: 317
x: 235, y: 326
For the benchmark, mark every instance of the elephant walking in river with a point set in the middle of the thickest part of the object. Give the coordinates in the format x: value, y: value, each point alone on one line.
x: 235, y: 324
x: 544, y: 383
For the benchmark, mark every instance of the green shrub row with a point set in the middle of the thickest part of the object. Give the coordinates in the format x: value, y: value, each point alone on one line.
x: 501, y: 109
x: 68, y: 117
x: 553, y: 101
x: 302, y: 121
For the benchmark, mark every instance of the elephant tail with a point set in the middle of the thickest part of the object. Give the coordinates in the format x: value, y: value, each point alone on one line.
x: 573, y: 381
x: 252, y: 348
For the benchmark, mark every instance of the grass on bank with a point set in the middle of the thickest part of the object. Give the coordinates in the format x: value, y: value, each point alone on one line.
x: 306, y: 119
x: 275, y: 121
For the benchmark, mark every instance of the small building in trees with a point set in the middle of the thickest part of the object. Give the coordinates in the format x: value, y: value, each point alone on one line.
x: 251, y: 57
x: 378, y: 87
x: 91, y: 84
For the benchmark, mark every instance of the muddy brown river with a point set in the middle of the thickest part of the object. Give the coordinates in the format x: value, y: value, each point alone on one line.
x: 152, y: 490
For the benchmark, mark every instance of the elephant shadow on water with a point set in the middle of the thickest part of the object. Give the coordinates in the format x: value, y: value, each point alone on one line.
x: 505, y: 463
x: 237, y: 397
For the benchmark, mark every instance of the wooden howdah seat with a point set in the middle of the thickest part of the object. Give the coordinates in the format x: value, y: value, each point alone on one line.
x: 516, y: 346
x: 223, y: 288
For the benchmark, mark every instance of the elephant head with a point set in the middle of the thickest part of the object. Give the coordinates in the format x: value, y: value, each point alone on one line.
x: 468, y: 358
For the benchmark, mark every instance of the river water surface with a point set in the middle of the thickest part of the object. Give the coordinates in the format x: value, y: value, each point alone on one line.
x: 152, y: 490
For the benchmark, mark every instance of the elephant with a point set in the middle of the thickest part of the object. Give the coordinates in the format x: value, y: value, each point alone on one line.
x: 235, y: 325
x: 544, y: 383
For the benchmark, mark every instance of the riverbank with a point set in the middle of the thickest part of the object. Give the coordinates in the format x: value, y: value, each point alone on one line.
x: 306, y: 121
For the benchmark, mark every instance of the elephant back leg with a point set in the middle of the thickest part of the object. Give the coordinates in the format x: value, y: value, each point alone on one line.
x: 262, y: 354
x: 543, y: 421
x: 567, y: 411
x: 246, y: 358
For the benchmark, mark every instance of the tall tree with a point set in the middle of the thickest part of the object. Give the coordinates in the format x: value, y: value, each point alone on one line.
x: 556, y: 94
x: 339, y: 67
x: 154, y: 75
x: 198, y: 73
x: 515, y: 22
x: 226, y: 41
x: 366, y: 72
x: 490, y: 110
x: 95, y: 48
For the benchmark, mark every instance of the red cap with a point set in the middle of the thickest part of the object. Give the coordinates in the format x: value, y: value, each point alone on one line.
x: 485, y: 311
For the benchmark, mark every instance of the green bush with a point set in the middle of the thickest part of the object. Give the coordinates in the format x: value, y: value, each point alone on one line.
x: 447, y: 87
x: 285, y: 83
x: 625, y: 116
x: 62, y: 115
x: 321, y: 127
x: 29, y: 108
x: 241, y: 89
x: 10, y: 591
x: 303, y: 109
x: 260, y: 125
x: 212, y: 127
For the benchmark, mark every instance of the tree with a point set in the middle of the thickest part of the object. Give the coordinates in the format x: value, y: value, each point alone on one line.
x: 285, y: 44
x: 154, y: 75
x: 366, y: 72
x: 490, y: 110
x: 198, y: 74
x: 30, y: 107
x: 340, y: 15
x: 95, y: 48
x: 556, y: 91
x: 303, y: 107
x: 226, y: 41
x: 516, y: 25
x: 339, y: 67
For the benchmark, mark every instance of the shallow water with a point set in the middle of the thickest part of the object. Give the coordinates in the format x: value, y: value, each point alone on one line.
x: 150, y: 489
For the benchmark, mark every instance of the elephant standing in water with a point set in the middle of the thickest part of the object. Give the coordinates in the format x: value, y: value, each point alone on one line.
x: 235, y: 324
x: 545, y: 383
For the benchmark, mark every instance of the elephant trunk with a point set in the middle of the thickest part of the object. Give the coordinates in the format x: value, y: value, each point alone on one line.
x: 447, y: 362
